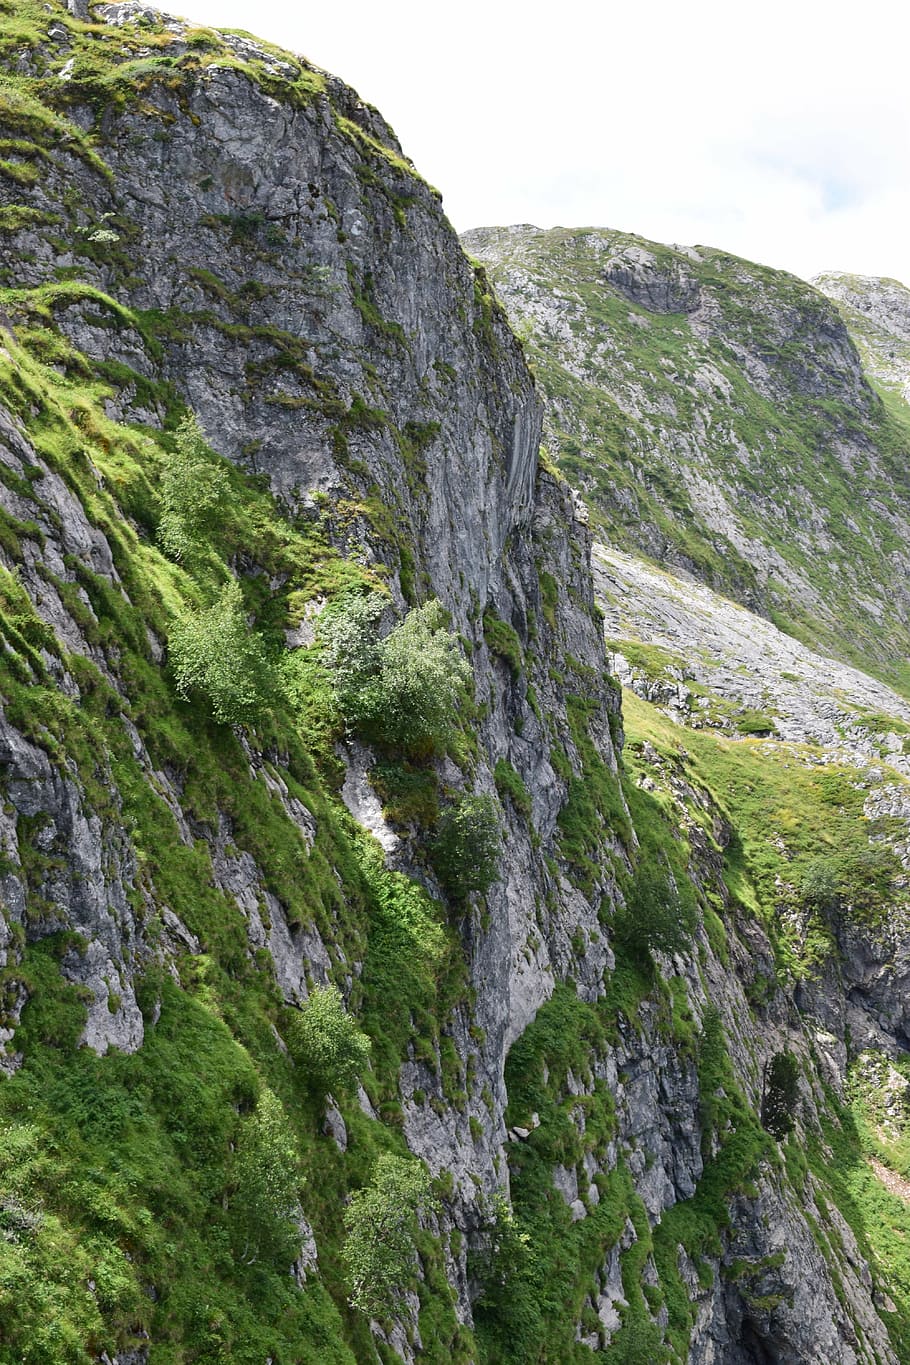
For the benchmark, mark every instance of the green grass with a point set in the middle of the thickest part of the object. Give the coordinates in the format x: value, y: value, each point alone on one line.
x: 503, y: 641
x: 126, y: 1161
x: 594, y: 809
x: 839, y: 1158
x: 784, y: 812
x: 509, y: 784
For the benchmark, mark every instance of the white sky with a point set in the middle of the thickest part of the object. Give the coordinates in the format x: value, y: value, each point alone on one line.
x: 778, y: 131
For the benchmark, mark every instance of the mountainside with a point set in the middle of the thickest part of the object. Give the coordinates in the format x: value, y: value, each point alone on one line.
x: 363, y: 997
x: 877, y: 314
x: 717, y: 417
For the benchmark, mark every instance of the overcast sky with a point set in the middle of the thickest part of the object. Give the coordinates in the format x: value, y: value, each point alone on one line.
x: 777, y: 131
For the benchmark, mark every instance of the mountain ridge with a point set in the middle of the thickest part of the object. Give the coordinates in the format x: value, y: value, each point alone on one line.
x: 726, y: 432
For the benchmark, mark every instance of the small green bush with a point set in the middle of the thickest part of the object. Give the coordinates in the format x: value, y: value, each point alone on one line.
x: 755, y: 723
x: 409, y: 792
x: 509, y: 784
x: 194, y: 486
x: 503, y: 640
x: 820, y: 884
x: 467, y: 847
x: 859, y: 880
x: 379, y: 1252
x: 403, y: 689
x: 781, y: 1094
x: 508, y: 1307
x: 654, y: 918
x: 216, y: 653
x: 325, y: 1040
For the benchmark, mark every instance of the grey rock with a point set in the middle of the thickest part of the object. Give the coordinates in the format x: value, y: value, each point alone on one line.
x: 334, y: 1125
x: 362, y: 801
x: 307, y: 1262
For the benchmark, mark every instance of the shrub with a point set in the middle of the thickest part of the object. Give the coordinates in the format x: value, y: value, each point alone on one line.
x: 755, y: 723
x: 215, y: 653
x: 502, y: 640
x: 193, y: 487
x: 819, y: 886
x: 780, y: 1096
x: 467, y: 847
x: 654, y: 918
x: 508, y: 1307
x: 861, y: 881
x: 325, y: 1040
x: 402, y: 690
x: 381, y: 1223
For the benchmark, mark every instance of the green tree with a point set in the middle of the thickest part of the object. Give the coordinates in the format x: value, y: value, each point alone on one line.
x: 402, y: 689
x: 325, y: 1040
x: 381, y: 1222
x: 266, y: 1184
x: 423, y: 678
x: 654, y: 919
x: 194, y: 486
x: 781, y: 1094
x: 216, y: 653
x: 350, y: 637
x: 468, y: 845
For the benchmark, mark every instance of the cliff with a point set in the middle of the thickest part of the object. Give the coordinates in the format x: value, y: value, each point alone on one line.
x: 583, y: 1048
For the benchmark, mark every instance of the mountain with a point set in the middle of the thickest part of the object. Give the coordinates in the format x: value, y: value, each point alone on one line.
x: 877, y: 315
x: 718, y: 419
x: 367, y: 993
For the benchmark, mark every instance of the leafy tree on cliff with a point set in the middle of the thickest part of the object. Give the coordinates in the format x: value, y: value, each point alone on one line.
x: 381, y: 1222
x: 194, y: 486
x: 402, y: 689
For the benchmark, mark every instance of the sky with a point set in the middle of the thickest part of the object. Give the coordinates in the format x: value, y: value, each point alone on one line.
x: 778, y: 131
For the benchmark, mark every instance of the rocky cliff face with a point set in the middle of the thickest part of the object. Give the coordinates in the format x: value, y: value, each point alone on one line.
x: 579, y: 1055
